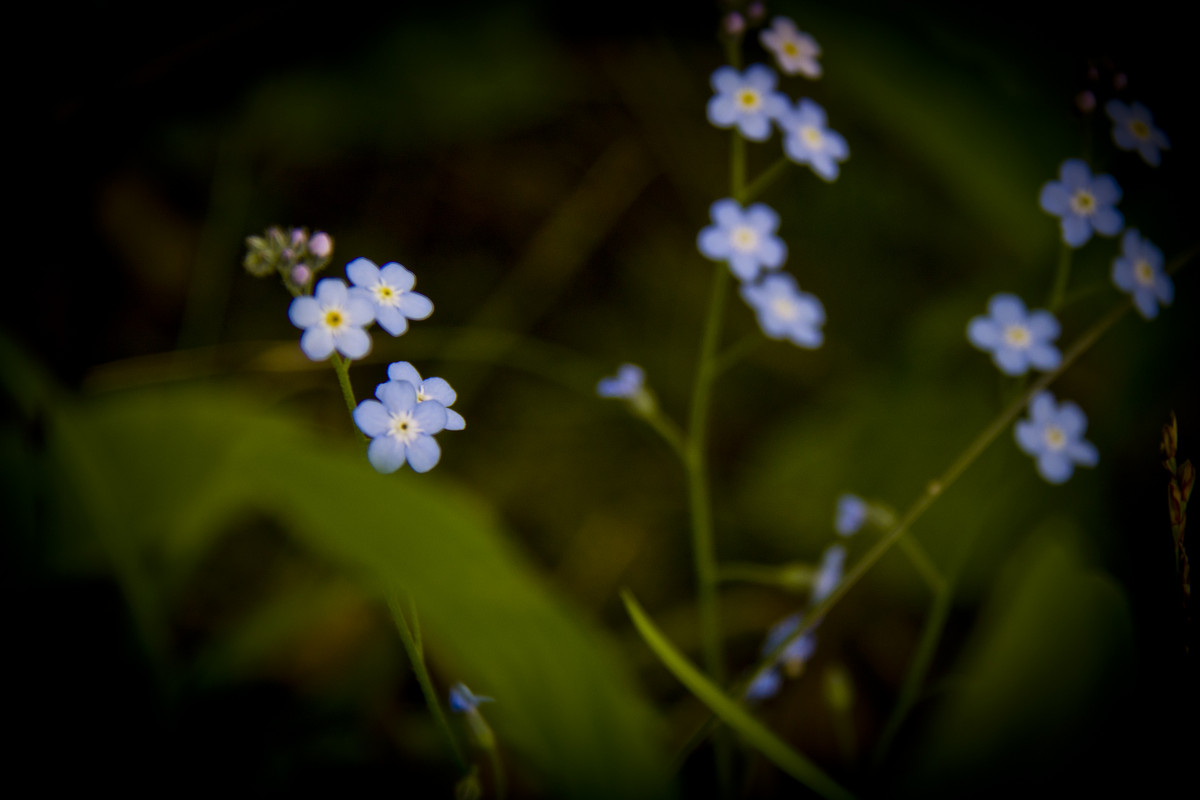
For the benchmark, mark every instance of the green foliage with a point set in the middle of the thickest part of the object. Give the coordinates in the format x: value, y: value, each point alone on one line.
x: 163, y: 470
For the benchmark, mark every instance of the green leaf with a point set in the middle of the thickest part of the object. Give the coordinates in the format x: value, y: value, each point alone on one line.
x: 167, y: 469
x: 1053, y: 643
x: 732, y: 713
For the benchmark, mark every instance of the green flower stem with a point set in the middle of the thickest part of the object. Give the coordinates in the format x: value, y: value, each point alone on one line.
x: 499, y: 780
x: 927, y: 499
x: 695, y: 462
x: 765, y: 179
x: 342, y: 367
x: 923, y: 564
x: 1062, y: 277
x: 668, y: 431
x: 789, y: 576
x: 737, y: 352
x: 411, y: 639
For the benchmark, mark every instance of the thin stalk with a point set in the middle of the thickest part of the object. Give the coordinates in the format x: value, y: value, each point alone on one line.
x: 923, y: 564
x: 765, y: 179
x: 342, y: 367
x: 1062, y: 276
x: 703, y: 546
x: 416, y: 656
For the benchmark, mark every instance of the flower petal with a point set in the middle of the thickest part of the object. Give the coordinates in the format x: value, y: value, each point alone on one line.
x: 404, y: 371
x: 362, y: 272
x: 423, y: 453
x: 386, y: 454
x: 372, y: 418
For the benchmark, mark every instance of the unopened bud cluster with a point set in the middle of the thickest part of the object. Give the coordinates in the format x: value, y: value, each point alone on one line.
x: 294, y: 254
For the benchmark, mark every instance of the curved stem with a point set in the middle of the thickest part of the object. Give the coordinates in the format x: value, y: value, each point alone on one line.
x: 411, y: 639
x: 1062, y: 276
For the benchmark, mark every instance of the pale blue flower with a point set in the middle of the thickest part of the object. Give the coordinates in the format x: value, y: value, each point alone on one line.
x: 851, y: 514
x: 435, y: 389
x: 809, y: 139
x: 627, y: 384
x: 829, y: 572
x: 1138, y: 271
x: 1083, y: 202
x: 390, y: 290
x: 1053, y: 434
x: 464, y: 701
x: 1016, y: 339
x: 744, y: 238
x: 332, y: 319
x: 401, y: 429
x: 791, y: 660
x: 746, y: 99
x: 785, y: 312
x: 1133, y: 129
x: 795, y: 50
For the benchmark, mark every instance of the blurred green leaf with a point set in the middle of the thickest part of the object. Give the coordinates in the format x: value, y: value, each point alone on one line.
x: 731, y: 712
x: 1051, y: 645
x: 171, y: 466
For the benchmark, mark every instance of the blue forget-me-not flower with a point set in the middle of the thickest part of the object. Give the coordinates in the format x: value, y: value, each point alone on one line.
x: 1053, y: 434
x: 809, y: 140
x: 743, y: 237
x: 627, y: 384
x: 1084, y: 203
x: 746, y: 99
x: 463, y: 700
x: 1133, y: 129
x: 401, y: 429
x: 851, y: 514
x: 795, y: 51
x: 785, y: 312
x: 1016, y: 339
x: 332, y: 319
x: 436, y: 389
x: 1138, y: 271
x: 390, y: 291
x: 829, y: 572
x: 792, y: 659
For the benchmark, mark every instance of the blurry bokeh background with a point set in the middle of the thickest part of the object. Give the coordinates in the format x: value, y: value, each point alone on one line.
x: 196, y: 550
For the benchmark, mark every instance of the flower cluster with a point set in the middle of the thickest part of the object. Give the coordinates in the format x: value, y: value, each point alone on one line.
x: 336, y: 317
x: 402, y: 421
x: 748, y: 100
x: 295, y: 255
x: 1085, y: 204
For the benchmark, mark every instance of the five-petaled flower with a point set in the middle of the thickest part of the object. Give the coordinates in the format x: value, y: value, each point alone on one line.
x: 390, y: 291
x: 746, y: 99
x: 1016, y: 339
x: 1133, y: 129
x: 435, y: 389
x: 1053, y: 434
x: 1084, y: 203
x: 785, y: 312
x: 792, y: 659
x: 401, y: 429
x: 795, y: 51
x: 1139, y: 271
x: 851, y: 514
x: 744, y: 238
x: 810, y: 140
x: 332, y: 319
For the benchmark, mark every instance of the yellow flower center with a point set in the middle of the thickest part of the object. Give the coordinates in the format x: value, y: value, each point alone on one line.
x: 1017, y: 335
x: 1143, y: 273
x: 789, y: 48
x: 1139, y: 129
x: 1054, y: 437
x: 784, y: 308
x: 386, y: 295
x: 1083, y: 202
x: 744, y: 238
x: 334, y: 318
x: 749, y: 100
x: 811, y: 136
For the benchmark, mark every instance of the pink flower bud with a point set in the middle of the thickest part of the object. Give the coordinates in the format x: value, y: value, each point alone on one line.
x: 301, y: 274
x: 321, y: 244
